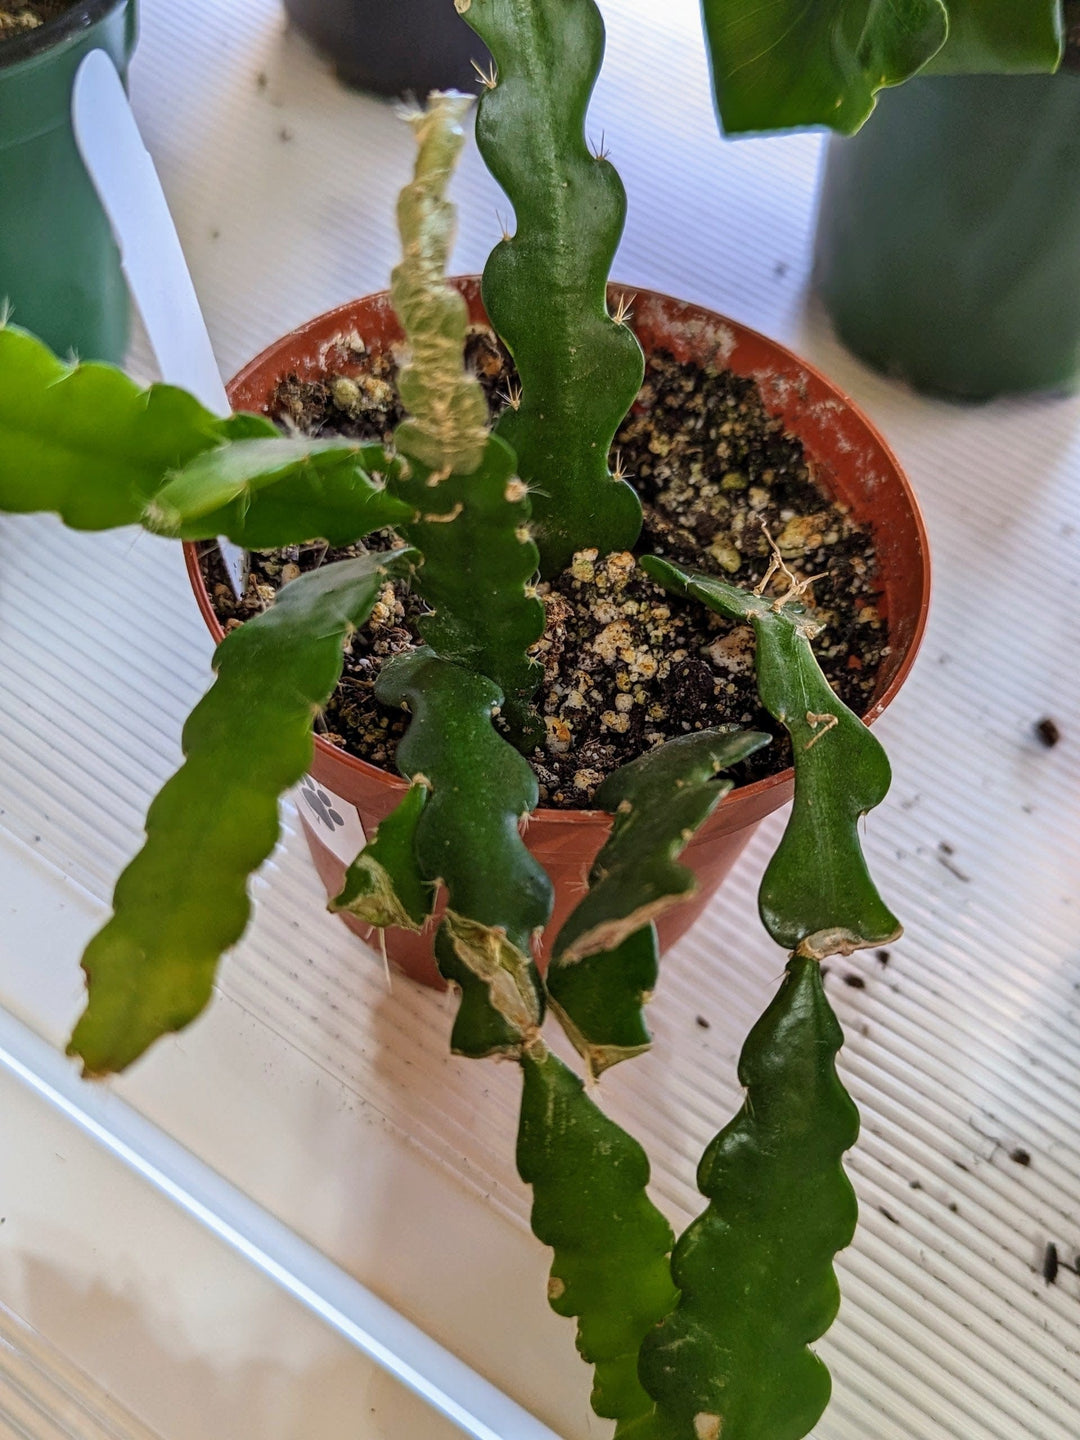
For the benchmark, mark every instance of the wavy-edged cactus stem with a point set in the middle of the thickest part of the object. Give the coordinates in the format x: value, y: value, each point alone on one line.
x: 817, y: 895
x: 265, y: 493
x: 470, y: 511
x: 604, y: 962
x: 87, y: 443
x: 447, y: 427
x: 468, y: 838
x: 545, y: 287
x: 183, y: 900
x: 383, y: 885
x: 611, y: 1244
x: 755, y: 1271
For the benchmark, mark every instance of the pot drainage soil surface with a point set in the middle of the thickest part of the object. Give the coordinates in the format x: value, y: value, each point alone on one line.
x: 626, y: 666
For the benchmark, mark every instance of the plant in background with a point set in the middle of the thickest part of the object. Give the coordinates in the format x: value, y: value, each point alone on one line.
x: 790, y: 64
x: 701, y: 1338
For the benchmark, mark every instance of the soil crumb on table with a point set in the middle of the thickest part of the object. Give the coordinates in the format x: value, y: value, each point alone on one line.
x: 626, y: 665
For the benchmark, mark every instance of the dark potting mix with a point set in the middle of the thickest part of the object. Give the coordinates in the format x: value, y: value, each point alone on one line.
x: 626, y: 665
x: 31, y: 15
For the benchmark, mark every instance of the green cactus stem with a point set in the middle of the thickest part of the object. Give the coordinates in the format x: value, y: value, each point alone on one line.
x: 183, y: 900
x: 87, y: 443
x: 817, y: 895
x: 447, y: 427
x: 264, y: 493
x: 468, y: 838
x: 383, y: 885
x: 611, y: 1244
x: 658, y: 801
x: 470, y: 511
x: 600, y: 1001
x: 604, y: 962
x: 545, y: 287
x: 755, y: 1271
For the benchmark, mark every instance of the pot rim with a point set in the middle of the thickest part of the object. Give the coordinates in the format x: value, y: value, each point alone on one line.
x: 66, y: 26
x: 743, y: 794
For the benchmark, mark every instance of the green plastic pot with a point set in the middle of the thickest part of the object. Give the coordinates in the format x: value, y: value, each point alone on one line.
x: 59, y: 268
x: 948, y: 243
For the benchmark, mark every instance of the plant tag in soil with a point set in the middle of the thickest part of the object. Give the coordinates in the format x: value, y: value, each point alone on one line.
x: 153, y: 261
x: 335, y: 821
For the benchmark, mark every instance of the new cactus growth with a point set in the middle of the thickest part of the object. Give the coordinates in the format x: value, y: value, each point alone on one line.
x: 704, y: 1342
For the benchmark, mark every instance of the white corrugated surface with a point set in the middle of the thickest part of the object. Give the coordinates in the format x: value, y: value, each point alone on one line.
x: 333, y: 1103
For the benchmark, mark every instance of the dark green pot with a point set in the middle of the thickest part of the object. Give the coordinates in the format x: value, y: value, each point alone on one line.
x: 59, y: 269
x: 948, y: 243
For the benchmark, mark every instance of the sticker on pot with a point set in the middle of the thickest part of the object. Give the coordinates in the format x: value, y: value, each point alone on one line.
x: 335, y: 821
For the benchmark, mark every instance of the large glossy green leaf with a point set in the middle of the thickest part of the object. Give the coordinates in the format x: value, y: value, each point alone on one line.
x: 183, y: 900
x: 817, y: 894
x: 783, y: 63
x: 755, y: 1271
x: 1000, y: 37
x: 604, y: 963
x: 468, y: 837
x: 545, y: 287
x: 611, y: 1244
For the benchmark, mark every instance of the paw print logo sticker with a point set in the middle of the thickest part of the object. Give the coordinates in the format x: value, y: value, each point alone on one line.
x: 321, y: 805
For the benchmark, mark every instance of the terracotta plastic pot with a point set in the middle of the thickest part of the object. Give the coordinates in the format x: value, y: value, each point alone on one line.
x: 346, y: 798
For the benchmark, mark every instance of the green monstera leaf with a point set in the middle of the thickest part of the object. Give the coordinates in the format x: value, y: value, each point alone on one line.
x: 788, y: 63
x: 1000, y: 37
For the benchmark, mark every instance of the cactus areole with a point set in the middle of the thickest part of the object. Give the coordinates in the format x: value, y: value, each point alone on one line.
x: 704, y: 1336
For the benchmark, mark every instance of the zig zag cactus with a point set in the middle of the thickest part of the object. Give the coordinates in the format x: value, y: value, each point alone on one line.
x: 545, y: 287
x: 471, y: 512
x: 710, y: 1344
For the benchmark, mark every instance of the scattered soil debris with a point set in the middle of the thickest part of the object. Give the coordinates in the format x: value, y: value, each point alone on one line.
x: 1020, y: 1156
x: 884, y: 956
x: 914, y: 1184
x: 888, y: 1214
x: 855, y: 981
x: 944, y: 853
x: 1048, y: 732
x: 702, y: 1022
x: 1051, y: 1264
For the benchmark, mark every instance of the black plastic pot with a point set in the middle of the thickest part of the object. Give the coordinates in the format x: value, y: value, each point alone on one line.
x: 948, y: 245
x: 393, y: 47
x: 59, y: 268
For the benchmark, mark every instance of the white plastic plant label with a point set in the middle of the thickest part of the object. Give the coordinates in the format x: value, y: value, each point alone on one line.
x: 335, y: 821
